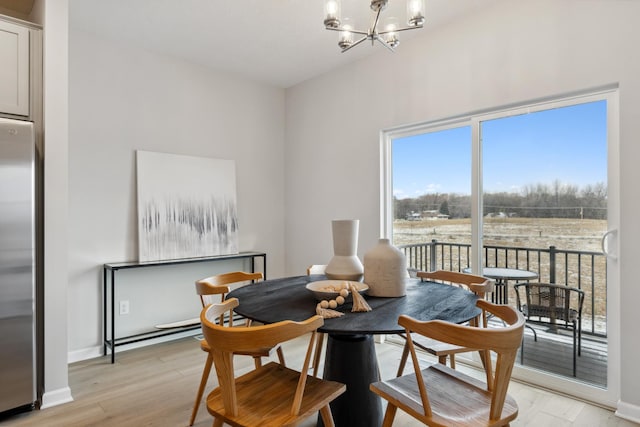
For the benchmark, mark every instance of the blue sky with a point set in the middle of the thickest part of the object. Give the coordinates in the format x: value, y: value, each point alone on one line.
x: 564, y: 144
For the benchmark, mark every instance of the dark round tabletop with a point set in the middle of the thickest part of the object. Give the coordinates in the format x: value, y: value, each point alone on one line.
x: 287, y: 298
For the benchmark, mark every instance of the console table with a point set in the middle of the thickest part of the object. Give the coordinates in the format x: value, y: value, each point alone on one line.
x: 108, y: 303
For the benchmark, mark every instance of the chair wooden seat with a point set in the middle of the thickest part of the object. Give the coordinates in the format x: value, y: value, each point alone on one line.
x: 441, y: 396
x: 265, y: 408
x: 271, y: 395
x: 473, y: 410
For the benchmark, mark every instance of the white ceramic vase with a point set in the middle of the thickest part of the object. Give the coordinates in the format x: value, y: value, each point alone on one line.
x: 345, y: 264
x: 385, y: 270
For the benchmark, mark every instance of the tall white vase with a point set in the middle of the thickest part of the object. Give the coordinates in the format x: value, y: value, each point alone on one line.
x: 385, y: 270
x: 345, y: 264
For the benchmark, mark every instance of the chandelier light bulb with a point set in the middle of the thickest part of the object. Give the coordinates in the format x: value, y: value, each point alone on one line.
x: 415, y: 12
x: 391, y: 36
x: 332, y: 13
x: 346, y: 36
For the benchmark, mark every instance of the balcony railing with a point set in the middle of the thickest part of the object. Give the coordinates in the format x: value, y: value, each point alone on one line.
x: 581, y: 269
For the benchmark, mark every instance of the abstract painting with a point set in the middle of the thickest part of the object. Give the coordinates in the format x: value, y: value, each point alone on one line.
x: 186, y: 206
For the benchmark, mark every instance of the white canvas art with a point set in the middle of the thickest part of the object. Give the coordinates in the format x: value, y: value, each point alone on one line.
x: 186, y: 206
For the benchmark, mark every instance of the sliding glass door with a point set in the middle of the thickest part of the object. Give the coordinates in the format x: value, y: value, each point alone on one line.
x: 532, y: 190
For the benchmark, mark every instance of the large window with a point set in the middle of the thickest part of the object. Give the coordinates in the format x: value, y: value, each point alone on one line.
x: 525, y: 188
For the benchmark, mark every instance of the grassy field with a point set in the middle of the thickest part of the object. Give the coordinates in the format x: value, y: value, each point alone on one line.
x: 536, y: 233
x: 570, y: 234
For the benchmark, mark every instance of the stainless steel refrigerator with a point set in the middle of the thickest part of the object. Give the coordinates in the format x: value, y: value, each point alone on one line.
x: 17, y: 265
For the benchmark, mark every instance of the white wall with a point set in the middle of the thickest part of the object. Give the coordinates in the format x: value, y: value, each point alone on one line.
x: 124, y: 99
x: 55, y: 47
x: 508, y: 53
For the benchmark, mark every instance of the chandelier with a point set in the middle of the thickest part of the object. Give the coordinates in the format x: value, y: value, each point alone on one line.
x: 385, y: 32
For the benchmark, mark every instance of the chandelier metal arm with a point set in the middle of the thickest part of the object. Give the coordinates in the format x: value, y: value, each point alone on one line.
x: 340, y: 29
x: 374, y: 26
x: 385, y: 44
x: 396, y: 30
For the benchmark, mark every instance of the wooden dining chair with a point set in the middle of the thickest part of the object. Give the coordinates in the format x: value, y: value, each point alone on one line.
x: 478, y: 285
x: 442, y: 396
x: 271, y: 395
x: 206, y: 289
x: 316, y: 269
x: 317, y: 355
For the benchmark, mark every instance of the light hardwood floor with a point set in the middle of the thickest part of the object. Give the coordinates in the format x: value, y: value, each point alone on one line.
x: 156, y: 386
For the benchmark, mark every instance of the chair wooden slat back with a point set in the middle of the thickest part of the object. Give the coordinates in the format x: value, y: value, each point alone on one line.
x: 220, y: 284
x: 446, y: 396
x: 316, y: 269
x: 224, y: 342
x: 478, y: 285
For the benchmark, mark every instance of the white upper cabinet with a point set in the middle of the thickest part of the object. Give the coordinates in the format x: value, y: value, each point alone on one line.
x: 14, y: 69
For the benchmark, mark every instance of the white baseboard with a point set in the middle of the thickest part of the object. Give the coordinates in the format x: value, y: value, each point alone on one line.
x: 84, y: 354
x: 628, y: 411
x: 56, y: 397
x: 93, y: 352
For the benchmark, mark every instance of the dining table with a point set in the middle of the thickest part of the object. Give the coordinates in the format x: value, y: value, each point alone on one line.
x: 350, y: 356
x: 502, y: 275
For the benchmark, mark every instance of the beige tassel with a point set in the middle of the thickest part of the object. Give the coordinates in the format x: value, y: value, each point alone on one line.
x: 359, y: 303
x: 327, y: 313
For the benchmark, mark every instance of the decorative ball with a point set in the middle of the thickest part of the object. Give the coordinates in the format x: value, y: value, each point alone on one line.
x: 333, y: 304
x: 340, y: 299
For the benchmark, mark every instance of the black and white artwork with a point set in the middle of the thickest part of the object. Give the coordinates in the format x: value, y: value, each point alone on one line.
x: 186, y: 206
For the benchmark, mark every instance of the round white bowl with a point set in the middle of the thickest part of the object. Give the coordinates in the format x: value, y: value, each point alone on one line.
x: 320, y: 290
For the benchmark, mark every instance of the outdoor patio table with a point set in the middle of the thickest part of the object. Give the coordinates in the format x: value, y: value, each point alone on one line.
x: 502, y: 277
x: 351, y: 357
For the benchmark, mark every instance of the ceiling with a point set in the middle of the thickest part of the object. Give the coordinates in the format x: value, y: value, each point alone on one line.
x: 280, y: 42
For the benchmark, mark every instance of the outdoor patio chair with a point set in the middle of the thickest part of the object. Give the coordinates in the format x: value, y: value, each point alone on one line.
x: 554, y: 305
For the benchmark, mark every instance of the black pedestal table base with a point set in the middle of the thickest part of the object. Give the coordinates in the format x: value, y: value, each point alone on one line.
x: 351, y: 360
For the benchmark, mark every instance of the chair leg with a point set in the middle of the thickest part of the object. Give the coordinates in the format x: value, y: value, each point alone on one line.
x: 203, y: 383
x: 280, y: 356
x: 318, y: 354
x: 257, y: 361
x: 579, y: 340
x: 485, y: 358
x: 452, y: 361
x: 575, y: 352
x: 403, y: 360
x: 217, y: 422
x: 389, y: 415
x: 327, y: 418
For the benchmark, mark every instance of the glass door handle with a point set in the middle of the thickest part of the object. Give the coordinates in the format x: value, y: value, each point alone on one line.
x: 605, y: 247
